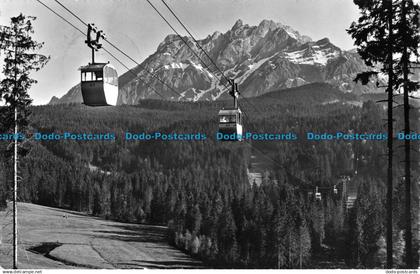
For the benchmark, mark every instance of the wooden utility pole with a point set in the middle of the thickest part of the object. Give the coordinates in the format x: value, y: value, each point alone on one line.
x: 15, y: 160
x: 389, y: 249
x: 15, y: 245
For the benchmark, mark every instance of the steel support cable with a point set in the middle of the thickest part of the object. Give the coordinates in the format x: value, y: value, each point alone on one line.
x: 196, y: 41
x: 122, y: 52
x: 147, y: 84
x: 183, y: 40
x: 113, y: 56
x: 201, y: 48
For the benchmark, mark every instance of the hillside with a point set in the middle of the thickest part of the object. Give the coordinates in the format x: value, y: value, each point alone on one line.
x: 201, y: 190
x: 57, y: 238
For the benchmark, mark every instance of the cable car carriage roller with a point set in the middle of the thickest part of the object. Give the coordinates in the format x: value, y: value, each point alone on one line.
x: 99, y: 81
x: 230, y: 119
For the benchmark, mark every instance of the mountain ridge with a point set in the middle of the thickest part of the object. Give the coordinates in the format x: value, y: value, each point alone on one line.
x: 260, y: 58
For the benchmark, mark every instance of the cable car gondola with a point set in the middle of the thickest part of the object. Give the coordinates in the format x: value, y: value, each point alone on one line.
x: 98, y: 81
x: 99, y: 84
x: 230, y: 119
x: 230, y: 122
x: 317, y: 194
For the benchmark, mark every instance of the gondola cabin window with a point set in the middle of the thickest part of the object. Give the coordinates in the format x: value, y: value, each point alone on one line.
x: 111, y: 76
x: 92, y: 76
x: 99, y: 84
x: 228, y: 119
x: 98, y: 75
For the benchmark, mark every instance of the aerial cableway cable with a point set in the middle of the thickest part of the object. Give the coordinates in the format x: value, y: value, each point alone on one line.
x: 203, y: 50
x: 196, y: 41
x: 276, y: 163
x: 64, y: 19
x: 72, y: 13
x: 123, y: 53
x: 147, y: 84
x: 304, y: 185
x: 144, y: 69
x: 281, y: 166
x: 249, y: 102
x: 113, y: 56
x: 185, y: 42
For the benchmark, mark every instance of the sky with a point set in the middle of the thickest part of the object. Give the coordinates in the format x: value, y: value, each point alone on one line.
x: 137, y: 29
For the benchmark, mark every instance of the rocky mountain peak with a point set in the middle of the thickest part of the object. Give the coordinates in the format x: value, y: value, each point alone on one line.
x: 238, y: 24
x: 54, y: 100
x: 268, y: 25
x: 215, y: 34
x: 323, y: 41
x: 260, y: 58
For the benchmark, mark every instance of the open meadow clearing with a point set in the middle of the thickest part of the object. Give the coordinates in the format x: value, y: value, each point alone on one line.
x: 58, y: 238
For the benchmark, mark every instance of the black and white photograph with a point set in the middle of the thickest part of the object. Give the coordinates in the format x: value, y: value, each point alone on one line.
x: 209, y: 135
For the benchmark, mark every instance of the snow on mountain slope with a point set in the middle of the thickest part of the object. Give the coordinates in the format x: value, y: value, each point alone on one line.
x: 260, y: 58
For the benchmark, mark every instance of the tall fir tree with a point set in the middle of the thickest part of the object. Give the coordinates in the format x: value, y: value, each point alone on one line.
x: 21, y: 58
x: 373, y: 35
x: 408, y: 41
x: 387, y: 34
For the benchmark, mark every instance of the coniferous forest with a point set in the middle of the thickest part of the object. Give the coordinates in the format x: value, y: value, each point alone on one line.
x: 201, y: 190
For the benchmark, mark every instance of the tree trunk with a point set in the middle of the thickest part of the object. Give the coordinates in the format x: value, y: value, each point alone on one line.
x: 15, y: 160
x: 407, y: 161
x: 15, y: 195
x: 390, y: 138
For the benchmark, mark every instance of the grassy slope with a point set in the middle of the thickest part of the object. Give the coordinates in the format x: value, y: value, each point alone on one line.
x: 87, y: 242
